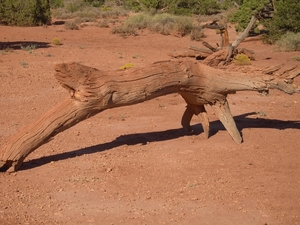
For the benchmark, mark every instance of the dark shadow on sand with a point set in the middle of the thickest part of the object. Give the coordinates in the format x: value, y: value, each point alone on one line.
x: 17, y: 45
x: 142, y: 138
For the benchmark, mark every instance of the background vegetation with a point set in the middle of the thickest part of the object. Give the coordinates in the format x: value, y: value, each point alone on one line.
x: 275, y: 17
x: 25, y: 12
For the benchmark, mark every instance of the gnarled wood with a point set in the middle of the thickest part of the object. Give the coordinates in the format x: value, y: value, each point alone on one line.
x: 92, y: 91
x: 225, y: 51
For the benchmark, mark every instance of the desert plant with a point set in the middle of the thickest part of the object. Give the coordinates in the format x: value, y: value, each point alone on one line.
x: 74, y: 6
x: 56, y: 3
x: 71, y: 25
x: 103, y: 23
x: 139, y: 21
x: 126, y: 66
x: 183, y: 26
x: 29, y: 48
x: 296, y: 58
x: 95, y: 3
x: 241, y: 59
x: 56, y: 41
x: 289, y: 42
x: 197, y: 34
x: 25, y: 12
x: 24, y: 64
x: 286, y: 19
x: 124, y: 30
x: 179, y: 7
x: 249, y: 8
x: 160, y: 23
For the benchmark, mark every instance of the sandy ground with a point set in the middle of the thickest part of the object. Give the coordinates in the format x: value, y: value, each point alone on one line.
x: 135, y: 165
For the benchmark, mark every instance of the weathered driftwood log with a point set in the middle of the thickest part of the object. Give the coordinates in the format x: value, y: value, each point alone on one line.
x: 92, y: 91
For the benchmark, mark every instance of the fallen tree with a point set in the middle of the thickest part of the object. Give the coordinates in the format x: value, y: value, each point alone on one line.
x: 93, y: 91
x: 224, y: 52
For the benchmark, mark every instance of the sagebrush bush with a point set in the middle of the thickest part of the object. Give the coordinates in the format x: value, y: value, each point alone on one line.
x: 103, y: 23
x: 124, y: 30
x: 296, y: 58
x: 197, y: 34
x: 139, y: 21
x: 160, y: 23
x: 289, y: 42
x: 178, y: 7
x: 71, y: 25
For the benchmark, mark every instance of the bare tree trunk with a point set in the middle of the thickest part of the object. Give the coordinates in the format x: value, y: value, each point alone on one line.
x: 92, y: 91
x: 235, y: 44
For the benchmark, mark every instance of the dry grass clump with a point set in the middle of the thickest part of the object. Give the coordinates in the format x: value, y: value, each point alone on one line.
x: 163, y: 23
x: 76, y: 9
x: 124, y: 30
x: 139, y: 21
x: 197, y: 34
x: 289, y: 42
x: 170, y: 24
x: 103, y: 24
x: 296, y: 58
x: 114, y: 14
x: 71, y: 25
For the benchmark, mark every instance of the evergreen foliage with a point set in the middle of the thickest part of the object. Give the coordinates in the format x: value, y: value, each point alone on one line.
x: 179, y: 7
x: 286, y: 17
x: 248, y: 9
x: 25, y: 12
x: 56, y: 3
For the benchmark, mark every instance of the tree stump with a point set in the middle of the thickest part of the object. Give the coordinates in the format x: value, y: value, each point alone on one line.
x: 93, y: 91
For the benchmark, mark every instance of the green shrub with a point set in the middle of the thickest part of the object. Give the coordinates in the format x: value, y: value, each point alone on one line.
x: 82, y: 9
x: 202, y: 7
x: 243, y: 15
x: 286, y: 19
x: 74, y: 6
x: 56, y: 3
x: 95, y: 3
x: 183, y: 26
x: 179, y: 7
x: 139, y: 21
x: 106, y: 8
x: 289, y: 42
x: 25, y: 12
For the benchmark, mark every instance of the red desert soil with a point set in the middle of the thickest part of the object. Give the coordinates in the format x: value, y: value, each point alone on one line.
x: 135, y: 165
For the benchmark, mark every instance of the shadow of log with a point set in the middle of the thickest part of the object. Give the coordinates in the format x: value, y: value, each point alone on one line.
x: 243, y: 122
x: 17, y: 45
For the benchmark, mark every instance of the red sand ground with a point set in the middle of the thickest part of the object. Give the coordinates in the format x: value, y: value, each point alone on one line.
x: 135, y: 165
